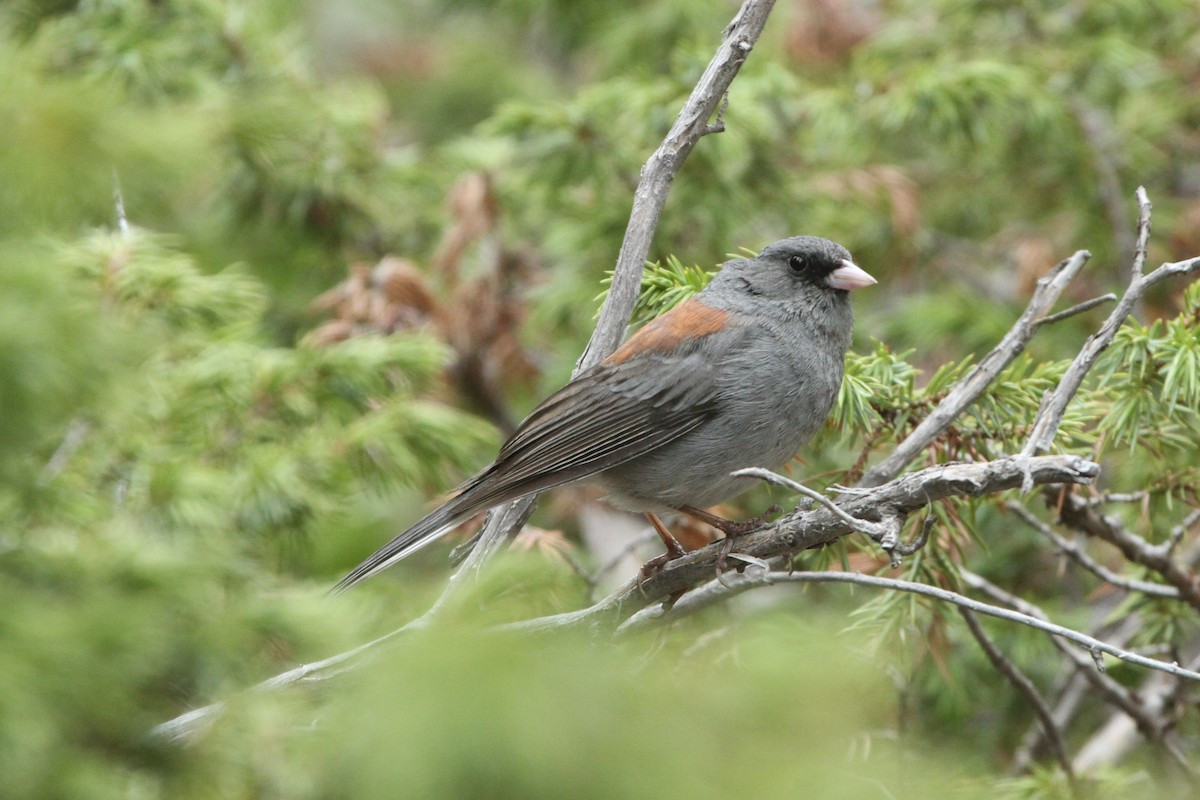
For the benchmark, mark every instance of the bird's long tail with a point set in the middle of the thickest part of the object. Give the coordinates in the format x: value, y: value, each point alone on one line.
x: 425, y: 531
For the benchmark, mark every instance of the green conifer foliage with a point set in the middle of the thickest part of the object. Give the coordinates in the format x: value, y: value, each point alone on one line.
x: 195, y: 442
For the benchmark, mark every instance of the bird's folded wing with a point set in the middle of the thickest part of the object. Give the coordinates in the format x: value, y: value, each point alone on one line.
x: 603, y: 418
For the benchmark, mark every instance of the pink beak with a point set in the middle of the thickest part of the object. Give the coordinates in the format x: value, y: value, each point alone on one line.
x: 849, y: 276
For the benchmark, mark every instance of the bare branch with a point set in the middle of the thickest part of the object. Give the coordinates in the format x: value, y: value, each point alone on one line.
x: 975, y: 383
x: 186, y: 726
x: 750, y: 579
x: 1073, y: 689
x: 804, y: 529
x: 1086, y: 305
x: 1157, y: 695
x: 920, y: 540
x: 501, y: 523
x: 875, y: 530
x: 1145, y: 717
x: 1118, y: 497
x: 1045, y: 427
x: 1167, y: 548
x: 1089, y: 665
x: 1171, y: 269
x: 1075, y: 513
x: 1073, y: 551
x: 1023, y: 685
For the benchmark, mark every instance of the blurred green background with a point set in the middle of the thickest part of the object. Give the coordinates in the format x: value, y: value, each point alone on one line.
x: 209, y: 211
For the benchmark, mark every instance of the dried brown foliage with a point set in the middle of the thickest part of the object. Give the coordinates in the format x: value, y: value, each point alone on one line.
x: 825, y: 31
x: 471, y: 297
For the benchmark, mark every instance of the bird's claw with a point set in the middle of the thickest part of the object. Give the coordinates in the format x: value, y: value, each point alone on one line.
x: 652, y: 568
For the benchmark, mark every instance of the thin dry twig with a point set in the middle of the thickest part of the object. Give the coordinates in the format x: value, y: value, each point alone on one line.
x: 1050, y: 417
x: 1072, y: 690
x: 1086, y: 305
x: 875, y: 530
x: 1077, y: 514
x: 1160, y: 697
x: 1089, y: 665
x: 750, y: 579
x: 1073, y: 551
x: 804, y: 529
x: 976, y: 382
x: 1021, y: 682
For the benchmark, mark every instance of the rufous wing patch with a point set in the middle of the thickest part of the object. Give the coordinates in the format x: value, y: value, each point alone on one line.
x: 689, y: 320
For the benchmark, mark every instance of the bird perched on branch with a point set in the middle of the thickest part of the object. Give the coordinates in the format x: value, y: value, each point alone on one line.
x: 740, y: 375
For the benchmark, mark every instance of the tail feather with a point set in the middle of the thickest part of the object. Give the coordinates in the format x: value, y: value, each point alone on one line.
x: 425, y: 531
x: 480, y: 493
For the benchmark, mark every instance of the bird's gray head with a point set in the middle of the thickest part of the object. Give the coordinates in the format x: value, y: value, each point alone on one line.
x: 797, y: 272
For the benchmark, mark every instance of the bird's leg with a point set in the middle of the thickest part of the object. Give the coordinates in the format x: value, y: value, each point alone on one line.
x: 731, y: 528
x: 674, y: 551
x: 674, y: 548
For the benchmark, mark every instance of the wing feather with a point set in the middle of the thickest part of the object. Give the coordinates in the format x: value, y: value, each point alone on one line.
x: 591, y: 425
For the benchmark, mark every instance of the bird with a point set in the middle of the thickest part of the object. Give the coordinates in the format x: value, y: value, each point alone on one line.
x: 742, y: 374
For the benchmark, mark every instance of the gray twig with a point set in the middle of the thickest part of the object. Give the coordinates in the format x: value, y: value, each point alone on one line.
x: 1087, y: 664
x: 1072, y: 690
x: 1076, y: 554
x: 1161, y: 698
x: 875, y: 530
x: 1119, y: 497
x: 1167, y: 548
x: 805, y: 529
x: 1075, y: 513
x: 1079, y: 308
x: 186, y: 726
x: 1024, y: 685
x: 886, y: 532
x: 975, y: 383
x: 1045, y: 427
x: 749, y: 580
x: 920, y: 540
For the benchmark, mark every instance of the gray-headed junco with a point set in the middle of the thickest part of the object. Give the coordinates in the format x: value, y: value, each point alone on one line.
x: 741, y: 375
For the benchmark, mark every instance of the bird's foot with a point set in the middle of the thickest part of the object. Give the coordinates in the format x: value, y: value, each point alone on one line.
x: 722, y: 563
x: 732, y: 529
x: 655, y: 565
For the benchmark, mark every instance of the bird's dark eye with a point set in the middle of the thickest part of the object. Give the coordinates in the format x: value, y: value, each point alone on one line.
x: 798, y: 263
